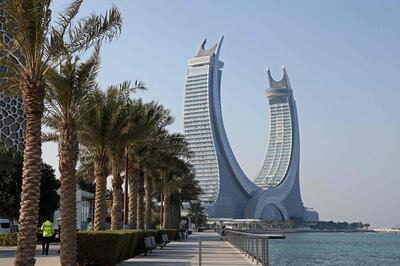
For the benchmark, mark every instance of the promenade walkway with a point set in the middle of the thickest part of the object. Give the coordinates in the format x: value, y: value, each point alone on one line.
x: 179, y: 253
x: 7, y: 256
x: 184, y: 253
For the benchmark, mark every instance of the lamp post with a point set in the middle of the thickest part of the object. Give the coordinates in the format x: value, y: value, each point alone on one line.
x: 196, y: 204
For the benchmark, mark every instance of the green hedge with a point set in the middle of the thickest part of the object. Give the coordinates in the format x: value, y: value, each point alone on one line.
x: 9, y: 239
x: 106, y: 248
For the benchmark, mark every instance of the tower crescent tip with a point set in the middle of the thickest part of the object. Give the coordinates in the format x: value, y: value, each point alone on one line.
x: 270, y: 79
x: 219, y: 46
x: 285, y: 77
x: 201, y: 47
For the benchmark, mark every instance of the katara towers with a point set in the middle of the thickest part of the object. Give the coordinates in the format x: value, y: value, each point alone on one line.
x: 227, y: 191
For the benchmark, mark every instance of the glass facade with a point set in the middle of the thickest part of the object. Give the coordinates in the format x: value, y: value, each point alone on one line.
x: 279, y: 150
x: 197, y: 127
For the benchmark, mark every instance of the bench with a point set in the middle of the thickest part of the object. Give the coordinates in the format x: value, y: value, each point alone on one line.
x: 150, y: 244
x: 164, y: 240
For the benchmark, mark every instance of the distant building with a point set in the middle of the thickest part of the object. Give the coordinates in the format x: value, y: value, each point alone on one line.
x: 280, y: 196
x: 200, y: 81
x: 227, y: 191
x: 282, y: 146
x: 311, y: 215
x: 12, y: 119
x: 213, y: 160
x: 84, y: 210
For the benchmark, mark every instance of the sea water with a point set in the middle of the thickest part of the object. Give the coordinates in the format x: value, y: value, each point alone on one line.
x: 344, y: 249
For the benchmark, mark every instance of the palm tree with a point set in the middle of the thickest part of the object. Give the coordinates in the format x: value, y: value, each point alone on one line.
x: 197, y: 211
x: 35, y: 47
x: 68, y: 88
x: 93, y: 133
x: 190, y: 191
x: 136, y: 127
x: 103, y: 130
x: 162, y: 149
x: 169, y: 186
x: 137, y: 135
x: 122, y: 134
x: 156, y: 148
x: 149, y: 125
x: 178, y: 181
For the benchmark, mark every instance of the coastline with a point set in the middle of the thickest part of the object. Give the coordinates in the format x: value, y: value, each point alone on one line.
x: 309, y: 230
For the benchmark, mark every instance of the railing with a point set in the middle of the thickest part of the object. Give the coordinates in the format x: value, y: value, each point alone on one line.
x: 255, y: 246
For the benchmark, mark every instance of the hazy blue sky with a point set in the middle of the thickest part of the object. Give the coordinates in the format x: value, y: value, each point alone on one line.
x: 343, y: 62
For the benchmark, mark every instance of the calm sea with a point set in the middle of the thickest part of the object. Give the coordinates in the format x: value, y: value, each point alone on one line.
x: 344, y: 249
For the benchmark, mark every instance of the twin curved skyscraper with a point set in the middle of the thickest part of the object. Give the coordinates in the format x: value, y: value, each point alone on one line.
x: 227, y: 191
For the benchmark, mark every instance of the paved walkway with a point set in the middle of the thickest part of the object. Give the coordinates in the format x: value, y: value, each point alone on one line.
x: 180, y: 253
x: 185, y: 253
x: 7, y: 256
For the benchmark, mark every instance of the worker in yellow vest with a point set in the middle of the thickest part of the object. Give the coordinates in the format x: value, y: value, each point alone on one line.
x: 47, y: 229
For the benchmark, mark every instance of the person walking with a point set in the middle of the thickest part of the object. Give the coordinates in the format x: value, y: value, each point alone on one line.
x: 48, y: 231
x: 223, y: 231
x: 89, y: 226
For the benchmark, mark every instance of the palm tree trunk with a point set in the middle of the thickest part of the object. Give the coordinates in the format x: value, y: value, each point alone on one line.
x: 148, y: 190
x: 32, y: 89
x: 172, y: 214
x: 100, y: 174
x: 133, y: 192
x: 167, y: 212
x: 68, y: 156
x: 175, y: 212
x: 196, y: 221
x: 179, y: 214
x: 126, y: 188
x: 140, y: 205
x: 161, y: 210
x: 161, y: 201
x: 116, y: 211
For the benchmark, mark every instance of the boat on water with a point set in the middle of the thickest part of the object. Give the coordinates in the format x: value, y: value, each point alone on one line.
x: 393, y: 230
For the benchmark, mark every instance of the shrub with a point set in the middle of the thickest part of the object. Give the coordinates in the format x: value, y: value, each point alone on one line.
x: 105, y: 248
x: 9, y: 239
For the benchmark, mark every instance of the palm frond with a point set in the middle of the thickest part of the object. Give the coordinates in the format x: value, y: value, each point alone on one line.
x: 94, y: 28
x: 10, y: 159
x: 65, y: 19
x: 49, y: 137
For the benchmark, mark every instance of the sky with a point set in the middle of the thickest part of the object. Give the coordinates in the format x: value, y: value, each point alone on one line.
x: 343, y: 62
